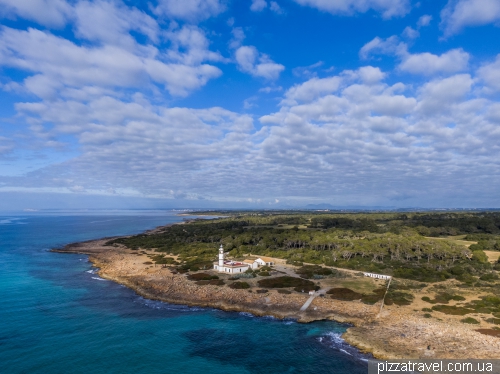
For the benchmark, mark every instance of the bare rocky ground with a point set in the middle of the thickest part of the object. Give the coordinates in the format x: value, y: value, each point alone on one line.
x: 397, y: 332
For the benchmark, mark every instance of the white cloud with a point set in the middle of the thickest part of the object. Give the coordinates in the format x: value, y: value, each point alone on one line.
x: 363, y: 132
x: 157, y: 147
x: 425, y: 20
x: 270, y: 89
x: 275, y: 7
x: 238, y: 37
x: 370, y: 75
x: 439, y: 95
x: 426, y: 63
x: 307, y: 71
x: 459, y: 14
x: 250, y: 102
x: 61, y: 63
x: 107, y: 22
x: 410, y: 33
x: 258, y: 65
x: 258, y: 5
x: 425, y: 140
x: 312, y: 89
x: 490, y: 74
x: 316, y: 87
x: 389, y: 46
x: 388, y: 8
x: 190, y: 10
x: 46, y: 12
x: 190, y: 46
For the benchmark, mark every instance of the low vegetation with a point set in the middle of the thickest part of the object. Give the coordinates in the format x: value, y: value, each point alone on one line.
x: 443, y: 298
x: 453, y: 310
x: 213, y: 282
x: 299, y: 285
x: 201, y: 276
x: 239, y: 285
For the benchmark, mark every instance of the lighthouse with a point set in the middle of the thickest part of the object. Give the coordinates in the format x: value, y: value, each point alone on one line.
x: 221, y: 257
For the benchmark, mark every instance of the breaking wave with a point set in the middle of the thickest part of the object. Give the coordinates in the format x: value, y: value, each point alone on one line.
x: 334, y: 340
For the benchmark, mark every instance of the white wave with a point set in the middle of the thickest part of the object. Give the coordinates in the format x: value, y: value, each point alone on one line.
x: 155, y: 304
x: 91, y: 271
x: 246, y: 314
x: 334, y: 340
x: 99, y: 278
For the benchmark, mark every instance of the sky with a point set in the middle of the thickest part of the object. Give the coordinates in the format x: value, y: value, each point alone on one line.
x: 249, y: 103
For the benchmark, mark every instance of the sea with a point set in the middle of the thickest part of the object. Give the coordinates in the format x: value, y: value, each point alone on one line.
x: 58, y: 316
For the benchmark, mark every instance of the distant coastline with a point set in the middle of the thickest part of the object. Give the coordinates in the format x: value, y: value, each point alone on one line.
x: 398, y: 332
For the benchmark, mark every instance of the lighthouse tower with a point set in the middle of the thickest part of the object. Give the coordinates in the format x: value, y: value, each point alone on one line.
x: 221, y: 258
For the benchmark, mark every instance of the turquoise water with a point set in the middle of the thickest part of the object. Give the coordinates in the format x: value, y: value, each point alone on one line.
x: 57, y: 316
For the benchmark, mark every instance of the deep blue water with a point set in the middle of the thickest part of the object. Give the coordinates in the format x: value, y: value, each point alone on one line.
x: 56, y: 316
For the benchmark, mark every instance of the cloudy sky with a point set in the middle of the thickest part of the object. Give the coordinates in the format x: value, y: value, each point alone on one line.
x: 255, y: 103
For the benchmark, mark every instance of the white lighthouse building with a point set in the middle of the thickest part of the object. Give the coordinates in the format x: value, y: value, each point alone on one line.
x: 233, y: 267
x: 221, y: 256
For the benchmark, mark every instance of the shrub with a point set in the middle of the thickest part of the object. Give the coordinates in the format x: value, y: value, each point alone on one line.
x: 262, y: 291
x: 426, y: 310
x: 489, y: 277
x: 399, y: 298
x: 422, y: 274
x: 470, y: 320
x: 480, y: 256
x: 310, y: 271
x: 345, y: 294
x: 287, y: 281
x: 240, y: 285
x: 453, y: 310
x: 264, y: 274
x: 213, y: 282
x: 286, y: 292
x: 495, y: 321
x: 370, y: 299
x: 443, y: 298
x: 427, y: 315
x: 161, y: 260
x: 148, y: 263
x: 201, y: 276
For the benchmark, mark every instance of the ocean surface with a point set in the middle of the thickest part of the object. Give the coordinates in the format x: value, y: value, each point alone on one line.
x: 58, y: 316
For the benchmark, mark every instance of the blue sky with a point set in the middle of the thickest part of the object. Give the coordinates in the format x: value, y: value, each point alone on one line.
x: 249, y: 103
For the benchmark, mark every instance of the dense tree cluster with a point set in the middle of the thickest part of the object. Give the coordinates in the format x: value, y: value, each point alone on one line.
x: 397, y: 244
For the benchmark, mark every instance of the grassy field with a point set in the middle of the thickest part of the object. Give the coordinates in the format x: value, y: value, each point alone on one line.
x: 493, y: 256
x: 456, y: 239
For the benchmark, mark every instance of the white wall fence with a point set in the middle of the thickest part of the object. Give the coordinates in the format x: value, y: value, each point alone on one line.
x: 378, y: 276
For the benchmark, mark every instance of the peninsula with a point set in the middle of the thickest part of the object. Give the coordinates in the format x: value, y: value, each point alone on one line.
x: 416, y: 285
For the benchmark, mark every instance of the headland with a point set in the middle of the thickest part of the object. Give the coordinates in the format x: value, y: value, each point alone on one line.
x: 395, y: 331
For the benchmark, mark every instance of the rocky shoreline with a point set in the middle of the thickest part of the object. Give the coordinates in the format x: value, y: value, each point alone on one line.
x: 397, y: 332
